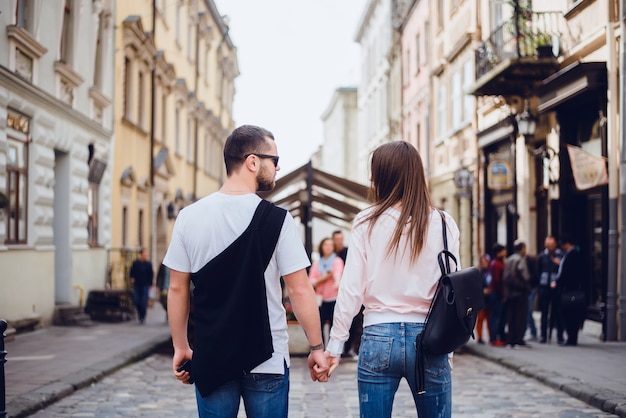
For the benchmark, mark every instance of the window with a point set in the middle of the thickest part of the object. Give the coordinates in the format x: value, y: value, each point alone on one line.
x: 17, y: 188
x: 177, y: 23
x: 441, y: 110
x: 127, y: 85
x: 457, y: 100
x: 440, y: 13
x: 140, y: 100
x: 468, y: 80
x: 92, y: 214
x: 190, y: 132
x: 140, y: 228
x: 418, y: 52
x: 97, y: 71
x: 67, y: 34
x: 164, y: 118
x: 94, y: 177
x: 177, y: 130
x: 24, y: 15
x: 124, y: 226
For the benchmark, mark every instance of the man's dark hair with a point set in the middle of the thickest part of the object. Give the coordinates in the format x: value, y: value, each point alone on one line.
x: 518, y: 245
x: 496, y: 249
x: 245, y: 139
x: 338, y: 231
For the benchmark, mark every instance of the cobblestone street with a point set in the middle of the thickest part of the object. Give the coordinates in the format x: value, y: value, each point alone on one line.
x: 481, y: 389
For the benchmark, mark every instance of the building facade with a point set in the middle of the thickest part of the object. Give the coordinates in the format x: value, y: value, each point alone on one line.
x: 337, y: 153
x: 375, y: 37
x: 56, y: 152
x: 547, y: 87
x: 176, y: 67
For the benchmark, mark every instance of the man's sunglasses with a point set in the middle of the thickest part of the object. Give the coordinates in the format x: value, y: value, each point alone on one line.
x: 274, y: 158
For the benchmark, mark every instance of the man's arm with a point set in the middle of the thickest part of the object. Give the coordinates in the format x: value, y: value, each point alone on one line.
x: 305, y: 308
x: 177, y: 315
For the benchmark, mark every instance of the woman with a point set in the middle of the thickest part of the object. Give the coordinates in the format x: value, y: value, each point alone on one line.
x: 393, y: 272
x: 325, y: 275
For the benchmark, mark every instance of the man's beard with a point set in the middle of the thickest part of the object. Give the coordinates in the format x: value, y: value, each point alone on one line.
x: 264, y: 181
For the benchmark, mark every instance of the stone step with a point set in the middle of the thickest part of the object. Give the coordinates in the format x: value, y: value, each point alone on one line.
x: 71, y: 315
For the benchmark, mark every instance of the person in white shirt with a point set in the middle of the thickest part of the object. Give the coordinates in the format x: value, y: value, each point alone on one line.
x: 201, y: 249
x: 393, y: 271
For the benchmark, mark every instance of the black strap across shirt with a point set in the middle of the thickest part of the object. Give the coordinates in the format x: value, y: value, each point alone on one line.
x: 232, y: 328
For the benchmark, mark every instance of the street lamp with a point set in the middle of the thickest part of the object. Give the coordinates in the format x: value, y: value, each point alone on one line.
x: 526, y: 122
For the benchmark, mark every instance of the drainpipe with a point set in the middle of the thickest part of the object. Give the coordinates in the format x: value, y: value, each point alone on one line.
x: 152, y: 140
x: 3, y: 359
x: 622, y: 173
x: 609, y: 133
x: 195, y: 128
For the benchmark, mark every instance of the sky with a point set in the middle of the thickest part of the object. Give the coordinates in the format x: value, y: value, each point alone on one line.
x: 292, y: 55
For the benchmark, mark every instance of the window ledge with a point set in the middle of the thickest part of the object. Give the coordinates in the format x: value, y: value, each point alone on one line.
x: 68, y: 73
x: 26, y: 41
x: 98, y: 97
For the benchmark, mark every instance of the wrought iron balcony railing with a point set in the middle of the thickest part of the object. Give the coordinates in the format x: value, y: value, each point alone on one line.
x: 529, y: 35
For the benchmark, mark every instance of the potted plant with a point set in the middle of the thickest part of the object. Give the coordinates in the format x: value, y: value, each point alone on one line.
x: 542, y: 42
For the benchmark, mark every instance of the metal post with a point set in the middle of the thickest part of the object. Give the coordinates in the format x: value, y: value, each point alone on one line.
x: 3, y: 359
x: 622, y: 174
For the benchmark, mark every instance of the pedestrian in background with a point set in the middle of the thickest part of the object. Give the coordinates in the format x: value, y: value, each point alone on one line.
x: 496, y: 297
x: 325, y: 275
x: 393, y: 271
x: 141, y: 276
x: 483, y: 317
x: 531, y: 263
x: 216, y: 244
x: 351, y: 348
x: 338, y: 241
x: 516, y: 281
x: 570, y: 279
x: 549, y: 304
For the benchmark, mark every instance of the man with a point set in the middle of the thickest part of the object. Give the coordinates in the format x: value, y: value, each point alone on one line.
x: 516, y: 280
x: 496, y: 297
x: 571, y: 289
x: 547, y: 268
x: 205, y: 235
x: 340, y: 249
x: 141, y: 275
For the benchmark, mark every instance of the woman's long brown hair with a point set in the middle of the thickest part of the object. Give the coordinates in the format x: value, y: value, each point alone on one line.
x: 397, y: 175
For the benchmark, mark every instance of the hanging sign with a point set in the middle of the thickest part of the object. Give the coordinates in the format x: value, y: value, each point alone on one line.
x: 499, y: 176
x: 589, y: 170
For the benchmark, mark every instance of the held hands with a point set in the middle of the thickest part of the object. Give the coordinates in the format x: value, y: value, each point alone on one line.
x: 333, y: 362
x: 318, y: 366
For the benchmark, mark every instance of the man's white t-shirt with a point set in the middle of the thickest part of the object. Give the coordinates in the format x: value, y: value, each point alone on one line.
x: 206, y: 228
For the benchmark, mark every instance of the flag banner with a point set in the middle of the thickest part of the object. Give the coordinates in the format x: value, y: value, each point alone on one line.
x: 589, y: 169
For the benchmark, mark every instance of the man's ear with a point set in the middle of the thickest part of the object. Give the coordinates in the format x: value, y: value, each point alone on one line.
x: 252, y: 164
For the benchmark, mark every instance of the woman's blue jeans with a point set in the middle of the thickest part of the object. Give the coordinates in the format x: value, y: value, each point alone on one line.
x: 388, y: 354
x: 264, y: 396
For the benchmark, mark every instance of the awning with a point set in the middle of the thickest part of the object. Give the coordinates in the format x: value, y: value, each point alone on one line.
x: 309, y: 193
x: 572, y: 81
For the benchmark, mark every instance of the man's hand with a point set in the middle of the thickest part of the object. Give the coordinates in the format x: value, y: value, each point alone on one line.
x: 318, y: 366
x: 179, y: 358
x: 333, y: 362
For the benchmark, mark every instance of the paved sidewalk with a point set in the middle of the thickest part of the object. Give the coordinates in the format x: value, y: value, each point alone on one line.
x: 593, y: 371
x: 47, y: 365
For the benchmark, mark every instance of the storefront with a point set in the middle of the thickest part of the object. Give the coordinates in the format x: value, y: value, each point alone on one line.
x: 578, y: 199
x: 497, y: 146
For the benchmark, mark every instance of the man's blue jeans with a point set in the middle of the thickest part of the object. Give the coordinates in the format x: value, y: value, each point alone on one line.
x: 388, y: 354
x: 264, y: 396
x: 140, y: 296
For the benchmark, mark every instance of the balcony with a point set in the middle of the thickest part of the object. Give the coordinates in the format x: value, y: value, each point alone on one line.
x: 519, y: 54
